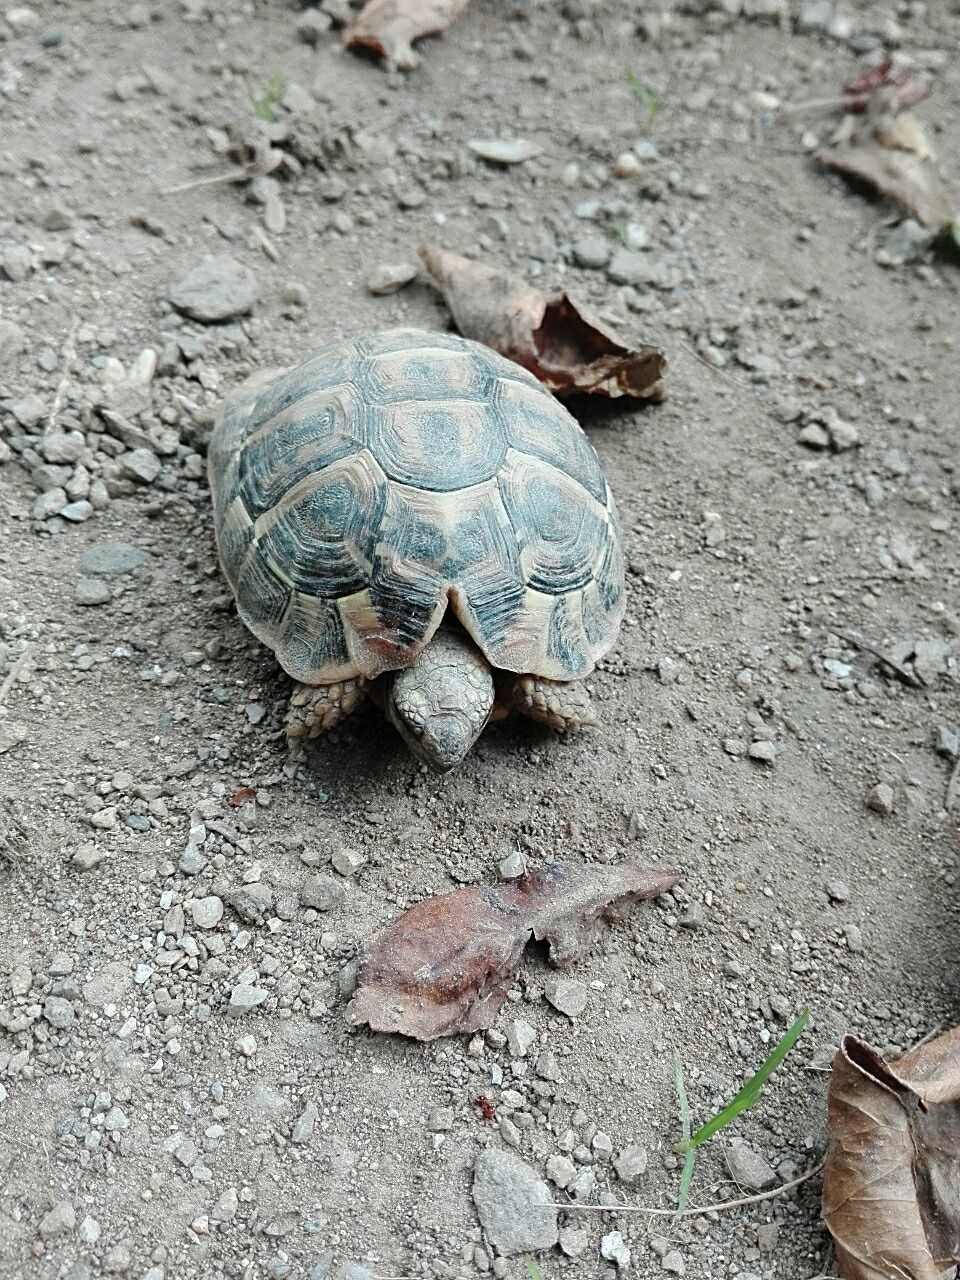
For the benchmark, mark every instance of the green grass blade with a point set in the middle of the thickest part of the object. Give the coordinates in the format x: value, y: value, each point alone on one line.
x: 751, y: 1091
x: 264, y: 103
x: 533, y: 1271
x: 681, y: 1097
x: 684, y: 1103
x: 648, y: 97
x: 685, y: 1179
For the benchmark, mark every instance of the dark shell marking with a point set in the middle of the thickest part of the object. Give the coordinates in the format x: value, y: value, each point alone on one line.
x: 360, y: 492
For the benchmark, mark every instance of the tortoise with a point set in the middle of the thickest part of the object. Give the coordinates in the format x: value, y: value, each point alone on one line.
x: 411, y: 516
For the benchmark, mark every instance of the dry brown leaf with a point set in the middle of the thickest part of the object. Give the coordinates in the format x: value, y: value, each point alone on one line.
x: 892, y: 155
x: 891, y: 1185
x: 558, y: 340
x: 389, y: 27
x: 445, y: 966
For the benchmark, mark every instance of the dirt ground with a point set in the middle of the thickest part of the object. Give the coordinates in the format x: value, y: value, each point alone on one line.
x: 144, y: 1130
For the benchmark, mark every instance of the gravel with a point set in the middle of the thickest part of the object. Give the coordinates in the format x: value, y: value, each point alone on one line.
x: 177, y: 1122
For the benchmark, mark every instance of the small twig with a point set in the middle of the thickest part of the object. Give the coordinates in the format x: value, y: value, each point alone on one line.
x: 266, y: 244
x: 12, y: 674
x: 849, y: 102
x: 698, y: 140
x: 69, y: 355
x: 706, y: 1208
x: 953, y: 788
x: 235, y: 175
x: 858, y: 642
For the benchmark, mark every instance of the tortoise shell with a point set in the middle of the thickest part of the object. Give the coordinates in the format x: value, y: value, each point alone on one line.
x: 359, y: 493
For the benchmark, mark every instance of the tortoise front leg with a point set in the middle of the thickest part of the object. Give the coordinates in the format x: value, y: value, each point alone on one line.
x: 314, y: 708
x: 562, y: 704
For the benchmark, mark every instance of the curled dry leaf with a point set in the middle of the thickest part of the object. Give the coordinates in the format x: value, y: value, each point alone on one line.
x: 445, y: 966
x: 389, y: 27
x: 891, y: 1185
x: 893, y: 156
x: 558, y: 340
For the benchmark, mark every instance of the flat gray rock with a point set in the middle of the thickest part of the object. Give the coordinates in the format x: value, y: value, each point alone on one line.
x: 567, y: 994
x: 113, y: 557
x: 513, y: 1203
x: 220, y: 288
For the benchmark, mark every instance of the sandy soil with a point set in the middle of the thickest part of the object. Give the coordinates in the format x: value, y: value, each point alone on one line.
x: 143, y: 1131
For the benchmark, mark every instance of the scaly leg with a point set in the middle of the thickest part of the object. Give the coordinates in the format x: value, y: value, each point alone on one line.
x: 314, y: 708
x: 562, y: 704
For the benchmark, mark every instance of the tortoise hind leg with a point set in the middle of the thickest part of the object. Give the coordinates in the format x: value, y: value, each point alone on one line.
x: 562, y: 704
x: 314, y: 708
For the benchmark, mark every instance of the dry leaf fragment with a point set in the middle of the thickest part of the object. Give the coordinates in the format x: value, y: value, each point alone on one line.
x: 445, y: 966
x: 899, y: 83
x: 891, y: 1186
x: 389, y: 27
x: 901, y: 176
x: 903, y: 133
x: 558, y: 340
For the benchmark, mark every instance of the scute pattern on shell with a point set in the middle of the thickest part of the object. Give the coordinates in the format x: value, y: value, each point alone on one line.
x: 361, y: 492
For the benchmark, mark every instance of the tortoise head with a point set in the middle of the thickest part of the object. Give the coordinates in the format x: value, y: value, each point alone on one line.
x: 442, y: 702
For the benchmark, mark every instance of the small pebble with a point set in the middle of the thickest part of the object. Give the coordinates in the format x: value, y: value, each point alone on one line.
x: 613, y: 1247
x: 218, y: 289
x: 207, y: 912
x: 567, y: 994
x: 58, y: 1221
x: 880, y: 799
x: 591, y: 252
x: 631, y: 1164
x: 391, y: 277
x: 347, y: 861
x: 520, y: 1036
x: 90, y: 591
x: 837, y: 890
x: 854, y: 937
x: 245, y: 997
x: 626, y: 165
x: 748, y: 1168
